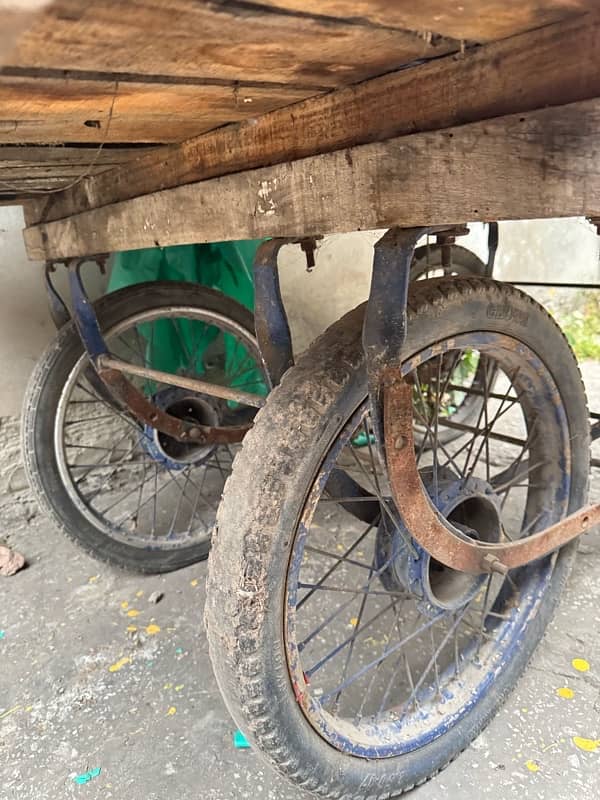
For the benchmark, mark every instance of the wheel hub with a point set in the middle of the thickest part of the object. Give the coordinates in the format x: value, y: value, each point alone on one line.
x: 192, y: 407
x: 473, y: 509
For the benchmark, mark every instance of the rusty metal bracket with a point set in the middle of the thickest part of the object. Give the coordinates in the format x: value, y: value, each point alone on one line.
x: 56, y: 305
x: 384, y: 334
x: 436, y: 535
x: 151, y: 415
x: 384, y: 326
x: 270, y: 320
x: 446, y: 239
x: 309, y: 247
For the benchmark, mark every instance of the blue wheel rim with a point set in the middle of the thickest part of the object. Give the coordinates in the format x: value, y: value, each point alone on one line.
x: 392, y: 733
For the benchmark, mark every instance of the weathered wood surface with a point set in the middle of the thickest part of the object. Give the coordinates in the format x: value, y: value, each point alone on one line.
x: 553, y: 66
x: 224, y: 40
x: 478, y: 20
x: 26, y: 167
x: 44, y: 110
x: 54, y: 156
x: 538, y: 164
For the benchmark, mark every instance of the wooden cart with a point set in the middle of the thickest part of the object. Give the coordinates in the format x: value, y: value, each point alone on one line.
x: 373, y: 591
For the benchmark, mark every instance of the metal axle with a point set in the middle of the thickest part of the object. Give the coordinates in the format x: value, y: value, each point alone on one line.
x: 105, y: 362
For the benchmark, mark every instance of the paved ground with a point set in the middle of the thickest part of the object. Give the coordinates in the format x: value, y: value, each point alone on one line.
x: 79, y: 691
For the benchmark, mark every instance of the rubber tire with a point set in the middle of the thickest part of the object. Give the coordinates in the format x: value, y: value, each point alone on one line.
x: 255, y: 531
x: 40, y: 408
x: 464, y: 262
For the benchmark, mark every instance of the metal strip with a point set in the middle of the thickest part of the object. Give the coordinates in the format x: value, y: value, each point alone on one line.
x: 153, y: 416
x: 425, y: 524
x: 195, y: 385
x: 384, y: 326
x: 58, y: 310
x: 270, y: 320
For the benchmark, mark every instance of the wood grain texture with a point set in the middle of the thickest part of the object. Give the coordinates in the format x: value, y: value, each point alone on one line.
x: 544, y: 163
x: 47, y: 110
x: 477, y: 20
x: 230, y: 41
x: 555, y: 65
x: 27, y: 169
x: 49, y: 155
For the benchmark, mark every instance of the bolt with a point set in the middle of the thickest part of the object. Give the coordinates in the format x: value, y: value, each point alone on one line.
x: 492, y: 563
x: 195, y: 433
x: 399, y: 443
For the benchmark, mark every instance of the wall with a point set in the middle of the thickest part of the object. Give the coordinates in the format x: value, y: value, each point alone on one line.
x: 25, y: 324
x: 538, y: 250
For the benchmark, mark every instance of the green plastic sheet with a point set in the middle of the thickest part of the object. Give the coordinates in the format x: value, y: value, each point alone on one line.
x: 225, y: 266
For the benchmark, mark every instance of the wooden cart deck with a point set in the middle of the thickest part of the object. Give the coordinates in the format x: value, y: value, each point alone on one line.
x: 130, y: 124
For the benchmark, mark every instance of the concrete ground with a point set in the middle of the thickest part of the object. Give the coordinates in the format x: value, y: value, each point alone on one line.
x: 80, y: 692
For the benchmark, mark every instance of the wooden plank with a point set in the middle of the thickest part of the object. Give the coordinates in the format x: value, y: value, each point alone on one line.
x: 23, y: 186
x: 544, y: 163
x: 57, y: 171
x: 33, y: 172
x: 553, y: 66
x: 54, y: 155
x: 39, y: 110
x: 27, y: 169
x: 476, y: 20
x: 231, y: 41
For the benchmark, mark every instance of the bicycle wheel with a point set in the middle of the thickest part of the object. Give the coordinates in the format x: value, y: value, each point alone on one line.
x: 463, y: 398
x: 127, y: 493
x: 357, y: 664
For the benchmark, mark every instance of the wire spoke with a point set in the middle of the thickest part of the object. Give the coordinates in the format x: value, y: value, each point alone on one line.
x: 338, y: 648
x: 387, y: 652
x: 352, y: 643
x: 432, y: 660
x: 488, y: 426
x: 336, y: 613
x: 382, y: 500
x: 332, y: 569
x: 373, y: 592
x: 178, y: 506
x: 312, y: 549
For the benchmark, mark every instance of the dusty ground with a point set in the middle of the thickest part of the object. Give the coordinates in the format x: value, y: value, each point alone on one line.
x: 78, y: 691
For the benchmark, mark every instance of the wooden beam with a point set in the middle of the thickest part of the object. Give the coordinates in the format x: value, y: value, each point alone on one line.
x: 477, y: 20
x: 544, y: 163
x: 553, y: 66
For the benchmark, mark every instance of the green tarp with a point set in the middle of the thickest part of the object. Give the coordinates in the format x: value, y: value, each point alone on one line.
x: 226, y: 266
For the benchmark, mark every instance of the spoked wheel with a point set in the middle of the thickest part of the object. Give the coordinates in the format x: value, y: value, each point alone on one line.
x: 461, y: 407
x: 354, y: 661
x: 129, y: 494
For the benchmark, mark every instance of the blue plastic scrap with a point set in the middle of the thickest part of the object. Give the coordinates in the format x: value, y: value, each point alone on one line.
x: 86, y: 777
x: 239, y: 740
